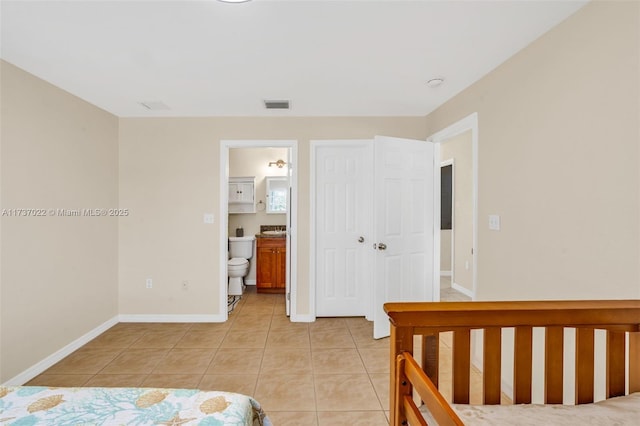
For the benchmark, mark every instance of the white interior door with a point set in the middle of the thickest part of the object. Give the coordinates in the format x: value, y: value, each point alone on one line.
x: 343, y: 205
x: 404, y: 224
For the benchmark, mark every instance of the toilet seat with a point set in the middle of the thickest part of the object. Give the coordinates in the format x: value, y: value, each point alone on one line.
x: 237, y: 262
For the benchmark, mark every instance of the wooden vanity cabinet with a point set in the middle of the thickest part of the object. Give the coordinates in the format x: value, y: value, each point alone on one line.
x: 272, y: 265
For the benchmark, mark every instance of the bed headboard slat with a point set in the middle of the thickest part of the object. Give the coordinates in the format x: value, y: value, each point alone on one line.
x: 461, y: 366
x: 553, y: 365
x: 523, y: 365
x: 615, y: 364
x: 491, y: 365
x: 584, y: 365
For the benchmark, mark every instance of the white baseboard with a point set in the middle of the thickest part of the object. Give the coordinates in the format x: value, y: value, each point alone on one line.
x: 57, y: 356
x: 250, y: 282
x: 445, y: 273
x: 303, y: 318
x: 462, y: 290
x: 170, y: 318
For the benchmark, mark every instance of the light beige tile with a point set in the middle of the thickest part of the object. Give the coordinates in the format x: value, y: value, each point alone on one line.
x: 286, y: 360
x: 293, y: 418
x: 175, y: 381
x: 288, y: 338
x: 364, y: 339
x: 257, y: 310
x: 381, y: 384
x: 336, y: 361
x: 116, y: 339
x: 331, y: 338
x: 282, y: 322
x: 116, y: 380
x: 184, y: 361
x: 328, y: 324
x: 352, y: 418
x: 59, y: 380
x: 246, y: 338
x: 345, y: 392
x: 135, y: 361
x: 159, y: 339
x: 238, y: 383
x: 85, y: 361
x: 211, y: 326
x: 376, y: 360
x: 236, y: 361
x: 359, y: 323
x: 169, y: 327
x: 286, y: 392
x: 201, y: 339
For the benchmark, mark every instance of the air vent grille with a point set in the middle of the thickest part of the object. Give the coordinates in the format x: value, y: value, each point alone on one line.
x: 155, y: 105
x: 276, y: 104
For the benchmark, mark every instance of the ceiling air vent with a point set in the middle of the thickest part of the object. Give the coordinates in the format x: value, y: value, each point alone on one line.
x: 276, y: 104
x: 155, y: 105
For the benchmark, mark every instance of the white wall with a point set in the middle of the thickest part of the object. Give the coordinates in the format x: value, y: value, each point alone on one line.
x: 169, y: 177
x: 59, y: 274
x: 558, y: 160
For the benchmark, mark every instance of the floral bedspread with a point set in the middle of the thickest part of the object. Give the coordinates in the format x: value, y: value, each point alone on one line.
x: 34, y: 405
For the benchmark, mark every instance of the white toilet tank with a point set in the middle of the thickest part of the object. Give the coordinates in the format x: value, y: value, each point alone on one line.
x: 241, y: 247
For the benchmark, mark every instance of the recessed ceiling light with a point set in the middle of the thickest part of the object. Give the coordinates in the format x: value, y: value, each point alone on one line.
x: 435, y: 82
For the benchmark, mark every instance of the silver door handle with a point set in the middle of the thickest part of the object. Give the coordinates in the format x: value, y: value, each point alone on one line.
x: 361, y: 240
x: 382, y: 246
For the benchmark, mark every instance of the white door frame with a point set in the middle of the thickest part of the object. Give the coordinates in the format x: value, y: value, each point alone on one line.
x: 470, y: 122
x: 292, y: 227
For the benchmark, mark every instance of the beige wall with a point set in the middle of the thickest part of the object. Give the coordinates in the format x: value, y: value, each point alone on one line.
x: 445, y: 250
x: 59, y: 274
x: 169, y: 177
x: 459, y: 150
x: 255, y: 162
x: 558, y: 160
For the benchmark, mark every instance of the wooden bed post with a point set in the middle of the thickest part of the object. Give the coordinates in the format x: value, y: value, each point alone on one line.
x: 401, y: 340
x: 634, y: 362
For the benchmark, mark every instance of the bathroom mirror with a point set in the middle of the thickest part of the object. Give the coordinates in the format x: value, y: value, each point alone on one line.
x: 277, y: 194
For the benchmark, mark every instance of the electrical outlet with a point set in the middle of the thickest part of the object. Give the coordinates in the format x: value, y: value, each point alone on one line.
x: 208, y: 218
x: 185, y: 285
x: 494, y: 222
x: 149, y: 283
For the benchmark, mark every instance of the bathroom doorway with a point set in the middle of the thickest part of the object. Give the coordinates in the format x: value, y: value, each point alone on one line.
x: 258, y: 159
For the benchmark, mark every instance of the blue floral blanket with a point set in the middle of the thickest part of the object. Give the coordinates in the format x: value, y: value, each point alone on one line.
x: 34, y: 405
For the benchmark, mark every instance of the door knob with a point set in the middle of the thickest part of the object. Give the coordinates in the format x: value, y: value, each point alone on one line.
x: 382, y: 246
x: 361, y: 239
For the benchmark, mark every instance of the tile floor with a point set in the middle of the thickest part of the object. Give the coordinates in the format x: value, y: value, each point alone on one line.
x: 330, y: 372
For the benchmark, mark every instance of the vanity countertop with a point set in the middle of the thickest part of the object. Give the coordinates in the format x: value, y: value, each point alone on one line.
x: 271, y: 235
x: 272, y: 231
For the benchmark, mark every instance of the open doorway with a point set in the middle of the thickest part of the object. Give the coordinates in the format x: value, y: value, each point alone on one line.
x: 249, y: 215
x: 458, y: 210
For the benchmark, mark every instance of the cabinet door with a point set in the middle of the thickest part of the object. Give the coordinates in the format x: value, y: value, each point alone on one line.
x: 281, y: 268
x: 246, y: 192
x: 265, y: 273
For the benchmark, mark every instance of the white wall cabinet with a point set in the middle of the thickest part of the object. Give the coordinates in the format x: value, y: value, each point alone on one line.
x: 242, y: 192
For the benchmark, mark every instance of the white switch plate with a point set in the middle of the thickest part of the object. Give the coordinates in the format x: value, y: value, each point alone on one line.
x: 494, y: 222
x: 208, y: 218
x: 149, y: 283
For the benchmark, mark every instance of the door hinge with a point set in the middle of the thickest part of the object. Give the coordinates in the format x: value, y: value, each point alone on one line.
x: 289, y: 296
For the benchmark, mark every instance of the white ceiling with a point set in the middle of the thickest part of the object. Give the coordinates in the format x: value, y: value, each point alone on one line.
x: 329, y: 58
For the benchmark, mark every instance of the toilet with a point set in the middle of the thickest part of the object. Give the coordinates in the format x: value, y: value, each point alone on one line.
x: 240, y: 251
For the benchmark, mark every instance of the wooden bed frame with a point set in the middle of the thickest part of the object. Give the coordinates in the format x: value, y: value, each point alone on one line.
x: 427, y: 320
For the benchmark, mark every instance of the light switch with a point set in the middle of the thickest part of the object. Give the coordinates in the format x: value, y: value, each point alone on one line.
x: 208, y: 218
x: 494, y: 222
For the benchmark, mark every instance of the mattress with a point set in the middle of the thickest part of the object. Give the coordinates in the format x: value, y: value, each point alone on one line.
x: 34, y: 405
x: 623, y: 410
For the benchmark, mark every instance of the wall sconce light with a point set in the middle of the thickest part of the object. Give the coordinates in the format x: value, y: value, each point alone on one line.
x: 279, y: 163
